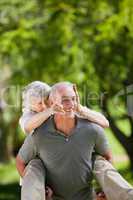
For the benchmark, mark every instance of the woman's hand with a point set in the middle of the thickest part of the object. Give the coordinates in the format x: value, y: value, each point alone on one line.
x: 78, y: 106
x: 57, y: 108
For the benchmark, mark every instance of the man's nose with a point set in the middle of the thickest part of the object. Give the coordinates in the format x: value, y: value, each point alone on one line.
x: 43, y: 105
x: 69, y: 103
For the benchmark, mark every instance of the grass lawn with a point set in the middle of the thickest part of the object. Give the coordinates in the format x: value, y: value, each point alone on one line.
x: 9, y: 179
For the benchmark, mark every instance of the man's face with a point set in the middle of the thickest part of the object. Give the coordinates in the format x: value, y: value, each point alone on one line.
x: 68, y: 99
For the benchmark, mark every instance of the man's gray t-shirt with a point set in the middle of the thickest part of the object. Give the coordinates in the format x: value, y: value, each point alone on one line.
x: 68, y: 160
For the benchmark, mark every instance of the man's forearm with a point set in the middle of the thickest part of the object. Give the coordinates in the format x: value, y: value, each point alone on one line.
x: 20, y: 166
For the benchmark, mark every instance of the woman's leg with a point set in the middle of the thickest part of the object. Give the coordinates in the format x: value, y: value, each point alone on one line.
x: 113, y: 184
x: 33, y: 183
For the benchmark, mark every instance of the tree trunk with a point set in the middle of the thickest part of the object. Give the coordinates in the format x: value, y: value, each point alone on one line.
x: 5, y: 153
x: 129, y: 150
x: 126, y: 142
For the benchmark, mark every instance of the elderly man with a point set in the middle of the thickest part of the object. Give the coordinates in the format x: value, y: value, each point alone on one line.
x: 65, y: 144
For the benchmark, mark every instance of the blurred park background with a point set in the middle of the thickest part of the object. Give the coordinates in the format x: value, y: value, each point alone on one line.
x: 87, y: 42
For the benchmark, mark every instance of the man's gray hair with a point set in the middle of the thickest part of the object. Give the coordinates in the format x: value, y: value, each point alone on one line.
x: 35, y: 89
x: 58, y: 87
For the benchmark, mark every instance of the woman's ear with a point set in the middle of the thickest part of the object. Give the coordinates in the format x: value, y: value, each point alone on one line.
x: 49, y: 102
x: 50, y: 99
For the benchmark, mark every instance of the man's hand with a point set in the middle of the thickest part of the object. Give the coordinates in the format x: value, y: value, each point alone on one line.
x: 48, y: 193
x: 108, y: 156
x: 100, y: 196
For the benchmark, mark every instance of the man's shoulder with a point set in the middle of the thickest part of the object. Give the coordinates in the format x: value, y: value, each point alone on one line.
x: 89, y: 125
x: 44, y: 127
x: 84, y: 122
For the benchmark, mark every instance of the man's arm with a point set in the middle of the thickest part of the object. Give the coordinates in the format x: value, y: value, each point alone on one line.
x: 20, y: 164
x: 26, y: 153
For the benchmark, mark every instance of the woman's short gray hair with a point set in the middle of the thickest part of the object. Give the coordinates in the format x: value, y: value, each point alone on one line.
x: 35, y: 89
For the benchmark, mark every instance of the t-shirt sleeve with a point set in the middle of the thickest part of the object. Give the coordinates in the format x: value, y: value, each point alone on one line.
x: 28, y: 151
x: 102, y: 144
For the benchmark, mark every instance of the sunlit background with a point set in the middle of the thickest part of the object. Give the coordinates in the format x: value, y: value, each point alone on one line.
x: 86, y: 42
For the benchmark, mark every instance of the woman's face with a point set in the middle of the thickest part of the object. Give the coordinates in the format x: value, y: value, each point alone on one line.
x: 38, y: 104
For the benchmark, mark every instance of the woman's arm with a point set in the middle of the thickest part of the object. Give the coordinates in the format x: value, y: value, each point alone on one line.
x: 89, y: 114
x: 36, y: 120
x: 93, y: 116
x: 29, y: 122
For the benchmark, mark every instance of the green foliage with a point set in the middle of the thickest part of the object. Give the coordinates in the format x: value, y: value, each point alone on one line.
x: 77, y: 39
x: 6, y: 176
